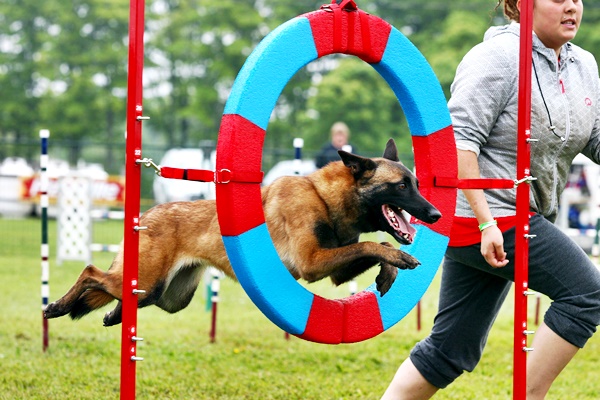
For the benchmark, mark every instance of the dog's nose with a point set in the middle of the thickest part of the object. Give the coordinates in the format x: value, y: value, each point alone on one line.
x: 434, y: 216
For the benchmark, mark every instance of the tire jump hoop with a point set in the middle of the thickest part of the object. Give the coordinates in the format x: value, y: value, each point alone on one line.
x: 335, y: 28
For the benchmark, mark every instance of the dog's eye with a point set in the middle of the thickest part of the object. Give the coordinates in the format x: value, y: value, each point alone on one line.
x: 402, y: 185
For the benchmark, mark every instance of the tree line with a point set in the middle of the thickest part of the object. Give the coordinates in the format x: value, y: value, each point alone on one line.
x: 63, y: 66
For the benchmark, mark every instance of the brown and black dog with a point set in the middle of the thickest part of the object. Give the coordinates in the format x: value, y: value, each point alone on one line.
x: 314, y: 221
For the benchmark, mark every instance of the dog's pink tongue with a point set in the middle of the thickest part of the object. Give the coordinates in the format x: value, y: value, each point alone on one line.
x: 399, y: 223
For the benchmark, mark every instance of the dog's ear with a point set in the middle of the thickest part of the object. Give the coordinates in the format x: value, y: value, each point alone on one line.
x: 391, y: 151
x: 358, y: 165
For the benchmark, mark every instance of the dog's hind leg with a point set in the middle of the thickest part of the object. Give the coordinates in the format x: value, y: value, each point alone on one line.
x: 177, y: 293
x: 93, y: 289
x: 89, y: 301
x: 172, y: 298
x: 114, y: 317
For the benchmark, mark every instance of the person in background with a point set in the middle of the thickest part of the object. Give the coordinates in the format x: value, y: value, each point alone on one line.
x: 478, y: 268
x: 340, y: 136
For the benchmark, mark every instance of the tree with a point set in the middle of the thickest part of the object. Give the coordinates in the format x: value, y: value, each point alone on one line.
x: 63, y: 64
x: 85, y: 62
x: 588, y: 35
x: 22, y: 34
x: 196, y: 49
x: 356, y: 94
x: 458, y: 34
x: 63, y: 67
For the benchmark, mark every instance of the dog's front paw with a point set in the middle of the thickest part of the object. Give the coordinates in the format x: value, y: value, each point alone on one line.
x: 406, y: 261
x: 386, y: 277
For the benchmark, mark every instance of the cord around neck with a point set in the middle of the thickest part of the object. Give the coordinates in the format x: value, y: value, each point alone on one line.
x: 552, y: 127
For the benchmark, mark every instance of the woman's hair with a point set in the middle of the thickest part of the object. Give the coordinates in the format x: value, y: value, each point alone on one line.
x: 510, y: 9
x: 340, y: 127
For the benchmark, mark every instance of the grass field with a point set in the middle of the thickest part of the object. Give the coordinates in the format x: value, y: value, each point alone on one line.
x: 250, y: 360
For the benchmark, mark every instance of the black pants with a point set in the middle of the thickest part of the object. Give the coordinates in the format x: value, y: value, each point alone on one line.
x: 472, y: 293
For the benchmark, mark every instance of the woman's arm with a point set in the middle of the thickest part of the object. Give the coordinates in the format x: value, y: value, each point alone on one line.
x: 492, y: 241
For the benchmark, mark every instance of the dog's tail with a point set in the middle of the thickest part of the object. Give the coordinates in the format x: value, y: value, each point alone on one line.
x: 89, y: 301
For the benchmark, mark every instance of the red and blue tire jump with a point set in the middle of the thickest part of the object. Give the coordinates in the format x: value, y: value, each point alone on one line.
x: 243, y: 127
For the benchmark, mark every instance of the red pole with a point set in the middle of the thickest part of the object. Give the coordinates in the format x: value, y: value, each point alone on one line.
x: 215, y: 286
x: 133, y: 149
x: 522, y: 228
x: 213, y: 323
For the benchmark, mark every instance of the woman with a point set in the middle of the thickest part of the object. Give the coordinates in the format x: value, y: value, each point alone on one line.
x: 339, y: 135
x: 477, y: 272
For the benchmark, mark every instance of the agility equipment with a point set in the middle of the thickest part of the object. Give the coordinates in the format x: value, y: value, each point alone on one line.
x: 520, y: 331
x: 345, y: 29
x: 100, y: 215
x: 238, y: 175
x: 336, y: 28
x: 44, y: 250
x: 74, y: 220
x: 215, y: 286
x: 133, y: 152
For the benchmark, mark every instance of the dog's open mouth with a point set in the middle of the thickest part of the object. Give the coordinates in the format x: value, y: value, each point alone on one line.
x: 404, y: 232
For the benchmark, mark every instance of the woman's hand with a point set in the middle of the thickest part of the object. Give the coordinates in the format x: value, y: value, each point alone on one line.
x: 492, y: 241
x: 492, y: 247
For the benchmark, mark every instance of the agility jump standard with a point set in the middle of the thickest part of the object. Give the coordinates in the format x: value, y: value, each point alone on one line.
x: 522, y: 229
x: 133, y: 150
x: 45, y: 249
x: 336, y: 28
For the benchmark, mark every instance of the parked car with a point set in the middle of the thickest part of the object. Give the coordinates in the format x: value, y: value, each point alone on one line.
x: 289, y: 168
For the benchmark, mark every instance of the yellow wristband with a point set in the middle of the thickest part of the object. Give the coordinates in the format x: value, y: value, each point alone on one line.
x: 486, y: 225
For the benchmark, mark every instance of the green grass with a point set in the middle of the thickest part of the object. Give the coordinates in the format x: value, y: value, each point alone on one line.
x: 250, y: 360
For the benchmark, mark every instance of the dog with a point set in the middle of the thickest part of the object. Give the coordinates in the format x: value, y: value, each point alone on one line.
x: 314, y: 221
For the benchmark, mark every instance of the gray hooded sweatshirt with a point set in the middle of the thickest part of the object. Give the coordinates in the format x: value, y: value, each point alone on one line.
x: 484, y: 104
